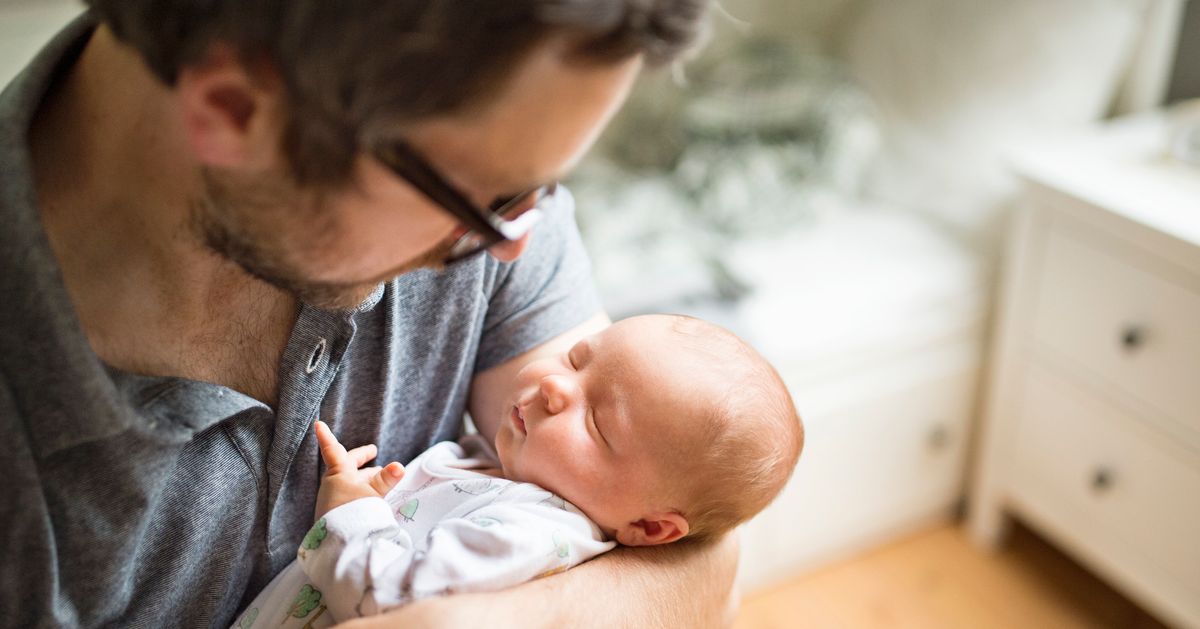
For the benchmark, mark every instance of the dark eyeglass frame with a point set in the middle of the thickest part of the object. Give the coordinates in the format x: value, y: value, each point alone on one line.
x: 485, y: 228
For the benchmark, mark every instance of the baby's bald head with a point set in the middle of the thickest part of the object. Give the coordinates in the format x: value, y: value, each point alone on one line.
x: 744, y: 439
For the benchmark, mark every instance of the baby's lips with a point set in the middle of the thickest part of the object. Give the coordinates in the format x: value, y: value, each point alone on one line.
x: 517, y: 416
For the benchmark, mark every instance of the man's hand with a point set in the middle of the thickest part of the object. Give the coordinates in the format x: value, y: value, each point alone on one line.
x: 344, y: 481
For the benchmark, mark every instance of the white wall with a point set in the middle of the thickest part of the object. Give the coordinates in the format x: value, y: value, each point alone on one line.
x: 25, y: 25
x: 817, y: 21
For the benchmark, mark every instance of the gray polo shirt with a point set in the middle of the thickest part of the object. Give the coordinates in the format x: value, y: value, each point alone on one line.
x: 157, y: 501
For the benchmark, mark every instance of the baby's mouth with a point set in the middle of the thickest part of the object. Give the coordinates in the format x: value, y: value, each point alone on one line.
x: 518, y: 418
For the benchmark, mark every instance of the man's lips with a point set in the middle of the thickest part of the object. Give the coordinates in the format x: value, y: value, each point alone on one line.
x: 518, y: 418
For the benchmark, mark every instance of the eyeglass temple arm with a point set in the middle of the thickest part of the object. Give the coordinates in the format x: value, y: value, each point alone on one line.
x: 413, y: 168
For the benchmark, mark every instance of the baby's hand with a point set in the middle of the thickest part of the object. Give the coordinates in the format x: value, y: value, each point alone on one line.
x: 344, y: 481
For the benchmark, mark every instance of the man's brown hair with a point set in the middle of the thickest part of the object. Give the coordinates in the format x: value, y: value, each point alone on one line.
x: 350, y: 65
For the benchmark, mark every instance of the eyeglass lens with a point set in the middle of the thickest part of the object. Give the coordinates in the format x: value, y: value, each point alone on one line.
x: 513, y: 219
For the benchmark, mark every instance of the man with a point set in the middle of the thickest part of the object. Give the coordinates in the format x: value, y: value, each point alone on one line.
x: 218, y: 221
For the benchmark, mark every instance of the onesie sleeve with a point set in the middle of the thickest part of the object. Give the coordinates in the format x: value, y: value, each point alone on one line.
x: 366, y: 564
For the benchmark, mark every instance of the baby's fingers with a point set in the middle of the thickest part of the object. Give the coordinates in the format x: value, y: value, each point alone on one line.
x: 332, y: 451
x: 360, y: 455
x: 386, y: 477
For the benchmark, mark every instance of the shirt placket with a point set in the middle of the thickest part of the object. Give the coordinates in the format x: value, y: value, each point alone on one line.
x: 311, y: 362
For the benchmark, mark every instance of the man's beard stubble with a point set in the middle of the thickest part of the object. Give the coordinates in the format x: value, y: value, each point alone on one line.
x: 262, y: 224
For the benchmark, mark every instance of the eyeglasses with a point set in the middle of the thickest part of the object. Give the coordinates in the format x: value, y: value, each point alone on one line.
x: 505, y: 220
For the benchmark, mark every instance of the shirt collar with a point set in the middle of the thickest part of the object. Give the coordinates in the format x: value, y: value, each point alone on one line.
x: 56, y: 380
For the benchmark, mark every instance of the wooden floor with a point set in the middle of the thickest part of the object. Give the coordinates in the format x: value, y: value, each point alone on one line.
x: 938, y: 579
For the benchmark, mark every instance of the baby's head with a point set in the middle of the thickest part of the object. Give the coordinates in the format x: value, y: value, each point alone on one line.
x: 659, y: 427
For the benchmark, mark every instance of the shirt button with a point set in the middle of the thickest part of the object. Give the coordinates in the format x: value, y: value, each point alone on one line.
x: 315, y: 359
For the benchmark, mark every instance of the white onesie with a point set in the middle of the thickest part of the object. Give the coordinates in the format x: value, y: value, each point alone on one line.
x: 445, y: 528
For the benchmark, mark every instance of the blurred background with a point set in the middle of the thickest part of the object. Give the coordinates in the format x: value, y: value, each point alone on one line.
x: 967, y: 233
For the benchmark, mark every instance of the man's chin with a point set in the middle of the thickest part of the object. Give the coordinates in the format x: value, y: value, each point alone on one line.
x: 350, y: 296
x: 332, y: 297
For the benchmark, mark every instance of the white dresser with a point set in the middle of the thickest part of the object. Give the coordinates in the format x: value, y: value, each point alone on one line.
x: 1092, y: 408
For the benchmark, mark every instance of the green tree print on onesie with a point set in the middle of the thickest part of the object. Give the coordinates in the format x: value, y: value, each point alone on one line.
x: 475, y: 487
x: 562, y: 548
x: 315, y: 535
x: 306, y: 601
x: 248, y: 618
x: 409, y: 509
x: 485, y: 521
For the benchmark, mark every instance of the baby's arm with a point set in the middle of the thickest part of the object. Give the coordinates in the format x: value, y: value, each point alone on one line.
x: 368, y: 563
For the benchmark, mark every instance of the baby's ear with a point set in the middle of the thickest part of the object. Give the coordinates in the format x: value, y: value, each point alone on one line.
x: 659, y: 528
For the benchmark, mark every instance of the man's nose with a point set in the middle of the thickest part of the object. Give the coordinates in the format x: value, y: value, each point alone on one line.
x: 558, y: 393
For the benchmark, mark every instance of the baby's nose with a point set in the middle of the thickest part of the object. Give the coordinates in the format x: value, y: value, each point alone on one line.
x: 558, y: 392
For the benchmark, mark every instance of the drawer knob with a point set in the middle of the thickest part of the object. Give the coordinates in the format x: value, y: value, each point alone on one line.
x: 1103, y: 479
x: 938, y: 438
x: 1133, y: 337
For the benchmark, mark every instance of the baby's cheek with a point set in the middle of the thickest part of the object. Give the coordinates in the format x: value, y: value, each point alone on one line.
x: 579, y: 442
x: 584, y: 459
x: 555, y: 446
x: 503, y: 441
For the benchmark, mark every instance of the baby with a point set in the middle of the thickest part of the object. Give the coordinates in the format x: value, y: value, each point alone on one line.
x: 657, y: 429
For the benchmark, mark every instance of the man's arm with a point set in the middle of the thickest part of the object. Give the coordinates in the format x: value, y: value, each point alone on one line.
x: 490, y: 389
x: 675, y: 585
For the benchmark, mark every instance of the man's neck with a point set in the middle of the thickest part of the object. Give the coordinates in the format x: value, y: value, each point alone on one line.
x: 114, y: 179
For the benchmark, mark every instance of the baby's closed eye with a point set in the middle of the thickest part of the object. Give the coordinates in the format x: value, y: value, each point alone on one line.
x: 591, y: 414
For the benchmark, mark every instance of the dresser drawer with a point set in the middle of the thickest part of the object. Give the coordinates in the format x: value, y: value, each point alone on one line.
x: 1135, y: 330
x: 883, y: 455
x: 1096, y: 477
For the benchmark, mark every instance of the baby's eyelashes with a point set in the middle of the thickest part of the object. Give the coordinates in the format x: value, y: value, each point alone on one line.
x: 596, y: 426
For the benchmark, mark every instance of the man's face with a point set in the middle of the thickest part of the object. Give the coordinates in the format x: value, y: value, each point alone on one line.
x: 332, y: 247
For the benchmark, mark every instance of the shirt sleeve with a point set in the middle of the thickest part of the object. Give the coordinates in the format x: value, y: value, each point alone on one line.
x: 366, y: 564
x: 542, y: 294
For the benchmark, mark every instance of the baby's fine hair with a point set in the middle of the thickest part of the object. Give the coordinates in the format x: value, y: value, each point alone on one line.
x: 751, y: 437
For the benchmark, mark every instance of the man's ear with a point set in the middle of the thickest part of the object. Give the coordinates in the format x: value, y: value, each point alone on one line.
x: 659, y: 528
x: 231, y: 115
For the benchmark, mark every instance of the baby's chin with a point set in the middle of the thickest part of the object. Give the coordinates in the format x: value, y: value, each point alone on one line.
x: 503, y: 447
